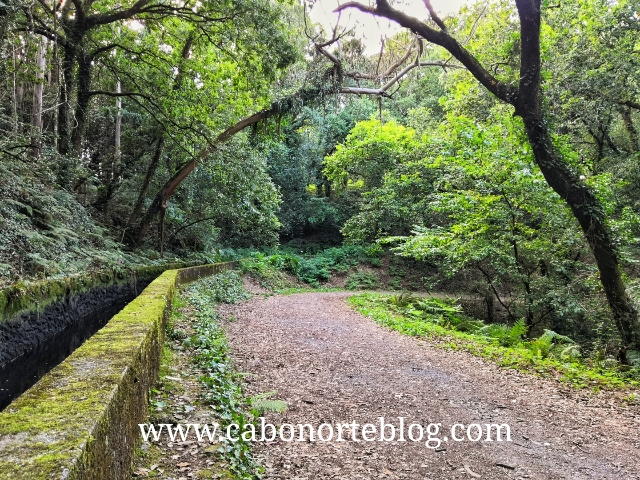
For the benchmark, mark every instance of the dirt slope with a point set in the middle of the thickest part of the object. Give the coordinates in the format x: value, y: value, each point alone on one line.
x: 332, y: 365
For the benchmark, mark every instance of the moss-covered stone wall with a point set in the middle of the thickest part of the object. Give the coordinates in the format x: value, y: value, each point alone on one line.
x: 35, y: 295
x: 80, y: 421
x: 187, y: 275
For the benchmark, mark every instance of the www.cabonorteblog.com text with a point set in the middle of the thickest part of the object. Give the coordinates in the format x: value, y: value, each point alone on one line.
x: 398, y: 430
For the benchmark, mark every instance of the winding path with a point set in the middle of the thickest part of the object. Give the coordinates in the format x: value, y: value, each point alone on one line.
x: 332, y: 365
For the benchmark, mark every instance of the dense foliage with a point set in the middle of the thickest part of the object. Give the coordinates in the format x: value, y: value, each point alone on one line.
x: 148, y: 130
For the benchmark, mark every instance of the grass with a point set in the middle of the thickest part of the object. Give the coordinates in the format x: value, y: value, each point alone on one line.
x: 400, y: 314
x: 294, y: 290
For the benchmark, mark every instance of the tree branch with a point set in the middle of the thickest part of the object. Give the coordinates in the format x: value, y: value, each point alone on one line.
x: 93, y: 93
x: 434, y: 16
x: 106, y: 18
x: 632, y: 104
x: 505, y: 92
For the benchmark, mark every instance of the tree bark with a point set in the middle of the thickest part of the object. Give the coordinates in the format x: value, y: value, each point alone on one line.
x: 118, y: 129
x: 631, y: 128
x: 38, y: 88
x: 66, y: 86
x: 83, y: 97
x: 14, y: 93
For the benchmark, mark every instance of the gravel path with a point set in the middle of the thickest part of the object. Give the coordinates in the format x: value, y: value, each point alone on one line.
x: 332, y: 365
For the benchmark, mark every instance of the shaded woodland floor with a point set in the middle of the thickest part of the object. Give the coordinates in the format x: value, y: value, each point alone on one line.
x: 332, y: 365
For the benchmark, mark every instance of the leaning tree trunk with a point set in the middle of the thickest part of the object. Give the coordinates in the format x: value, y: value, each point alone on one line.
x: 527, y: 100
x: 590, y: 215
x: 283, y: 105
x: 585, y: 206
x: 159, y: 203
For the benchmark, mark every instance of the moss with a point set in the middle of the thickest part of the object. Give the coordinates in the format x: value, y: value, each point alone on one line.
x: 35, y: 296
x: 65, y: 410
x: 83, y: 415
x: 4, y: 300
x: 204, y: 474
x: 165, y: 361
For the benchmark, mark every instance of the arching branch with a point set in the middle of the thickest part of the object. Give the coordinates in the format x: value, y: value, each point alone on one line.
x: 503, y: 91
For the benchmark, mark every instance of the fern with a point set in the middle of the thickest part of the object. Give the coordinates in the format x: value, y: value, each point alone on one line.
x: 436, y: 306
x: 633, y: 357
x: 469, y: 326
x: 571, y: 352
x: 493, y: 330
x: 556, y: 337
x: 507, y: 337
x: 402, y: 300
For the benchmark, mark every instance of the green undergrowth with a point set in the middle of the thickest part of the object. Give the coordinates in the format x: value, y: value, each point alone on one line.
x: 311, y: 269
x: 210, y: 352
x: 46, y: 233
x: 221, y: 382
x: 442, y: 322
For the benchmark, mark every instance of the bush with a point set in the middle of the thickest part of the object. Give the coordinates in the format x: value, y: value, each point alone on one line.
x: 313, y: 270
x: 362, y: 281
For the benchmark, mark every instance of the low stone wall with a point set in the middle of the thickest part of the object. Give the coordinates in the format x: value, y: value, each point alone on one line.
x: 34, y: 296
x: 186, y: 275
x: 80, y: 421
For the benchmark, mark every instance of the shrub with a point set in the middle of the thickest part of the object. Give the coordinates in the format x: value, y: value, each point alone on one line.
x: 362, y: 281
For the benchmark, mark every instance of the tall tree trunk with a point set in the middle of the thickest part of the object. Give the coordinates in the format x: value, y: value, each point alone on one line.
x: 84, y: 95
x: 118, y: 127
x: 64, y: 106
x: 38, y: 88
x: 14, y: 93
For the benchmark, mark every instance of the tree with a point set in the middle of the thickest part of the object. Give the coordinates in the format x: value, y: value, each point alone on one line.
x: 371, y: 149
x: 527, y: 99
x: 317, y: 87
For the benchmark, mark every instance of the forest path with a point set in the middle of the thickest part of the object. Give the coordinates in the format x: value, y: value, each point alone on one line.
x: 333, y: 365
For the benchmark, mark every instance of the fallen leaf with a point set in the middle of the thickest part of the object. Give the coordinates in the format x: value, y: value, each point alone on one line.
x: 468, y: 470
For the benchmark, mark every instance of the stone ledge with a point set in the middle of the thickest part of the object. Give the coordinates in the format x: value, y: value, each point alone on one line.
x: 28, y: 296
x: 80, y: 421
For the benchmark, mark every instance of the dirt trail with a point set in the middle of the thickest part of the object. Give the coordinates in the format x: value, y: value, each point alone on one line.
x: 332, y: 365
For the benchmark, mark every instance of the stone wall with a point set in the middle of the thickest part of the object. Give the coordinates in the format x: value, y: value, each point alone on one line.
x: 80, y: 421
